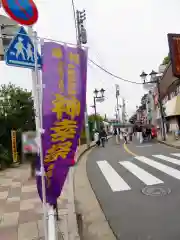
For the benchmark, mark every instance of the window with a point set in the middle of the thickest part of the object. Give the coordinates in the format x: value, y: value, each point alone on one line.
x: 164, y: 101
x: 172, y: 95
x: 178, y: 90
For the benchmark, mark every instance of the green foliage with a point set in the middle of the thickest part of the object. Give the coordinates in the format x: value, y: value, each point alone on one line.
x: 91, y: 122
x: 143, y: 99
x: 166, y: 60
x: 16, y: 113
x: 92, y: 118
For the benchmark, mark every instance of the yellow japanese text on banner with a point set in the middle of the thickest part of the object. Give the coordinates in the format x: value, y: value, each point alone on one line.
x: 14, y: 146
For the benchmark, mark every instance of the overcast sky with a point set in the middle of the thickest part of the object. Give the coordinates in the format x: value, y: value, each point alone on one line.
x: 125, y: 37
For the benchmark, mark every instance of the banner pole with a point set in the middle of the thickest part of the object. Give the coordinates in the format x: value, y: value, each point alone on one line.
x: 38, y: 97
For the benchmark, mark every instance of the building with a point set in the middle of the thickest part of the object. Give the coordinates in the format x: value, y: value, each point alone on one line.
x: 8, y: 29
x: 170, y: 97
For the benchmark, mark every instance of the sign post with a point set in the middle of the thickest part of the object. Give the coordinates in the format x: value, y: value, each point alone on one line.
x: 20, y: 52
x: 38, y: 95
x: 14, y: 146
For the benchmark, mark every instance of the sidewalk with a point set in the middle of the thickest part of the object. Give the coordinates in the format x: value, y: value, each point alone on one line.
x: 21, y: 215
x: 171, y: 143
x: 21, y: 209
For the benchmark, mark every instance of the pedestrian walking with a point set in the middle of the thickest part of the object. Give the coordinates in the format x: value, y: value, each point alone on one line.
x: 96, y: 138
x: 125, y: 134
x: 116, y: 135
x: 102, y: 136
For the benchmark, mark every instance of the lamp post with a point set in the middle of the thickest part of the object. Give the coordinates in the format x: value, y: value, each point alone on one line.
x: 156, y: 79
x: 100, y: 99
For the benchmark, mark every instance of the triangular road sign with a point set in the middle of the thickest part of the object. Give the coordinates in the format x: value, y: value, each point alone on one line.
x: 20, y: 52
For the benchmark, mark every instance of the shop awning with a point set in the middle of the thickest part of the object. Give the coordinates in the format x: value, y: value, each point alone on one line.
x: 173, y: 107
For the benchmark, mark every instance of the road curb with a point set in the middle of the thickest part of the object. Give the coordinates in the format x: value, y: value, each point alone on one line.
x: 168, y: 144
x: 72, y: 189
x: 81, y: 214
x: 73, y: 230
x: 93, y: 144
x: 83, y: 152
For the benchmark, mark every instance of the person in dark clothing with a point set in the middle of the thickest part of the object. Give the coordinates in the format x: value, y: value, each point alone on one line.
x: 115, y: 131
x: 148, y: 132
x: 102, y: 136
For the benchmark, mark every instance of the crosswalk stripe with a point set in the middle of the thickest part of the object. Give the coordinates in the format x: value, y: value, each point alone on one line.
x: 140, y: 173
x: 176, y: 154
x: 164, y: 168
x: 112, y: 177
x: 167, y: 159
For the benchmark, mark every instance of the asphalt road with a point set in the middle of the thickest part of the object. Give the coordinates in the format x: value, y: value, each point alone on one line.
x: 140, y: 196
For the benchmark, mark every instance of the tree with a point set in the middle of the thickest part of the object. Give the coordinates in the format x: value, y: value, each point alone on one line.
x: 91, y: 122
x: 166, y: 60
x: 16, y: 113
x: 144, y: 99
x: 98, y: 118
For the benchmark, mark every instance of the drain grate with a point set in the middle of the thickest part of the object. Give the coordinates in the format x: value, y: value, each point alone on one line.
x: 156, y: 191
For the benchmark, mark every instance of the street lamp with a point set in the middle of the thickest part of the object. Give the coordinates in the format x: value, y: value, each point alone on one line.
x: 102, y: 92
x: 143, y: 76
x: 156, y: 79
x: 96, y: 92
x: 100, y: 99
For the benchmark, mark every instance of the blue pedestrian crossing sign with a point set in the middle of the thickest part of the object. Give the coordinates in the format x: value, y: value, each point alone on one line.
x: 20, y: 52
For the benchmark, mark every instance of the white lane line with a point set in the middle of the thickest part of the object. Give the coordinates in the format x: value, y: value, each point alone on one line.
x: 112, y: 177
x: 167, y: 159
x: 142, y: 146
x: 176, y: 154
x: 164, y: 168
x: 140, y: 173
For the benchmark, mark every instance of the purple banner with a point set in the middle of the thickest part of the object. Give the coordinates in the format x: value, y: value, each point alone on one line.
x: 64, y: 98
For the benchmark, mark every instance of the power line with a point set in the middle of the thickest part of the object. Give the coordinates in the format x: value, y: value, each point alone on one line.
x: 110, y: 89
x: 90, y: 60
x: 112, y: 74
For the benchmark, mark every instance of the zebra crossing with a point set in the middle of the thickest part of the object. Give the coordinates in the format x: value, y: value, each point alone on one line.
x: 117, y: 183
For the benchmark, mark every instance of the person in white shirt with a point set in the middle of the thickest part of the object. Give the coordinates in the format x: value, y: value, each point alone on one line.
x: 125, y: 136
x: 96, y: 138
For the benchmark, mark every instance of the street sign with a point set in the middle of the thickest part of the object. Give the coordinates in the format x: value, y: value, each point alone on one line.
x: 22, y: 11
x: 100, y: 99
x: 20, y: 52
x: 29, y: 142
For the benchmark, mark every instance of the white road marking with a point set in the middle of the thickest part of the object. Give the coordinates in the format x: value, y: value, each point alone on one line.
x: 167, y: 159
x: 112, y: 177
x: 176, y: 154
x: 164, y: 168
x: 144, y: 146
x: 140, y: 173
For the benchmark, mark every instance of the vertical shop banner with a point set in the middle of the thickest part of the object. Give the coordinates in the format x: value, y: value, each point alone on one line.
x: 14, y: 146
x: 64, y: 99
x: 174, y: 48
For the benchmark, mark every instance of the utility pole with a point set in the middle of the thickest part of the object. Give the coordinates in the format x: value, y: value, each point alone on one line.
x: 156, y: 79
x: 82, y: 39
x: 123, y: 111
x: 117, y: 102
x: 161, y: 111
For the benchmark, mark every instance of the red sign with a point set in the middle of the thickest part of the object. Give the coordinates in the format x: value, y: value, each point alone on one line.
x: 174, y: 47
x: 22, y: 11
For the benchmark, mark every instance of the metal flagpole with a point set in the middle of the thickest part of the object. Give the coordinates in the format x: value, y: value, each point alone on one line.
x: 30, y: 33
x: 38, y: 95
